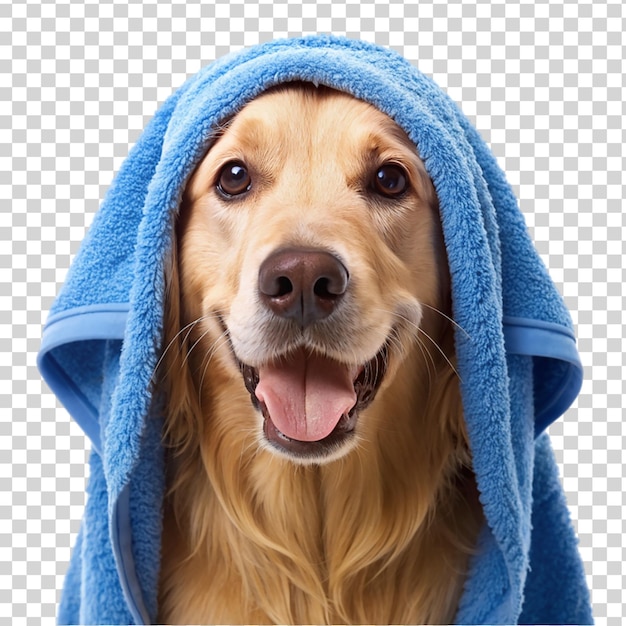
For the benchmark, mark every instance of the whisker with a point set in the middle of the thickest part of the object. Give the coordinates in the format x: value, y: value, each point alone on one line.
x: 451, y: 320
x: 443, y: 354
x: 417, y: 327
x: 196, y: 342
x: 171, y: 343
x: 432, y: 308
x: 428, y: 359
x: 217, y: 344
x: 209, y: 356
x: 189, y: 328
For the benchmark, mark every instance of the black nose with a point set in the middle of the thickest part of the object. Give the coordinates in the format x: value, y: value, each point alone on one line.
x: 303, y: 285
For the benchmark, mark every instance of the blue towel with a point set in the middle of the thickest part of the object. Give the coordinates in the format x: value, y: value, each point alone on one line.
x: 518, y: 360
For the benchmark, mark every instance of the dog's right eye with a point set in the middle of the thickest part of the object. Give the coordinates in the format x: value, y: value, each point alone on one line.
x: 234, y: 179
x: 391, y: 180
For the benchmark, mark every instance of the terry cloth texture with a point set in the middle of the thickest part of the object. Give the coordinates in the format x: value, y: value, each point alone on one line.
x: 517, y: 355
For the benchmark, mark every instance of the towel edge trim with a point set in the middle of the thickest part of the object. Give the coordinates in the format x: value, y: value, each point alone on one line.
x: 537, y: 338
x: 90, y: 322
x: 121, y: 542
x: 106, y: 321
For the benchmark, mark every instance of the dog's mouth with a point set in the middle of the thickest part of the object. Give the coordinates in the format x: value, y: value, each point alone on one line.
x: 310, y: 403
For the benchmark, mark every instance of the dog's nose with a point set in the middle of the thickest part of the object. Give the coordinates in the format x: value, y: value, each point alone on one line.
x: 303, y: 285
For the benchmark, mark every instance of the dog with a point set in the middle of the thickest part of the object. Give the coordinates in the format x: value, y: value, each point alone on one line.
x: 318, y: 466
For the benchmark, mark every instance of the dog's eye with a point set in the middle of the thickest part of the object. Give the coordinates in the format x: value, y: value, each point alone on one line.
x: 234, y: 179
x: 390, y: 180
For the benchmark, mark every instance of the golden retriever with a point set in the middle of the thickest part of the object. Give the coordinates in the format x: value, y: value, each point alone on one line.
x: 318, y: 466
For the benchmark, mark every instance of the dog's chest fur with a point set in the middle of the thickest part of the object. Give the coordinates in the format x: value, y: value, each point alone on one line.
x: 360, y: 540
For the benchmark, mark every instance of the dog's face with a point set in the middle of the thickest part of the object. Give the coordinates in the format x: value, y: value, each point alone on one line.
x: 310, y: 258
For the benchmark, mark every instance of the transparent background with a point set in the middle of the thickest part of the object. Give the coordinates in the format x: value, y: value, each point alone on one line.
x: 542, y: 80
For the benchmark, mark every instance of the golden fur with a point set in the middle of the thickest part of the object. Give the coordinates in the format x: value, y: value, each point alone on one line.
x: 381, y: 531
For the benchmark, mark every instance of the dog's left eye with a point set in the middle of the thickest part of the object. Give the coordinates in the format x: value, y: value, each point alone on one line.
x: 234, y: 179
x: 391, y: 180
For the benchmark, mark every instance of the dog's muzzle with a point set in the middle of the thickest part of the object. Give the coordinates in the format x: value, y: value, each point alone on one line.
x: 310, y: 402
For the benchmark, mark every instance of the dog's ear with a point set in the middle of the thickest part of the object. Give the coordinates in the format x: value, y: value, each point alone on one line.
x: 445, y: 405
x: 174, y: 375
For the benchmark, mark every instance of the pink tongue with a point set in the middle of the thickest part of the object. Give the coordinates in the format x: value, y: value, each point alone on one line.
x: 306, y: 394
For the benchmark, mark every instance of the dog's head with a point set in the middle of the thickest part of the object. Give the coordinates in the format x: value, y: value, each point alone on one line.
x: 310, y: 262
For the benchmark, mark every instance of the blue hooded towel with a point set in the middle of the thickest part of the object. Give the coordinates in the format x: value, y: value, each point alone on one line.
x: 518, y: 360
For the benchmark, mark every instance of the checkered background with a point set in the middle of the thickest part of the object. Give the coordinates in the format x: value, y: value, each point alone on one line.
x: 542, y: 79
